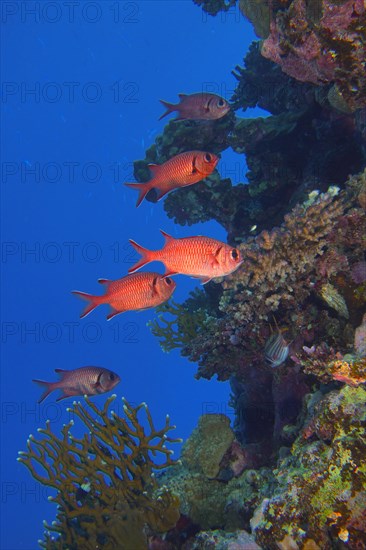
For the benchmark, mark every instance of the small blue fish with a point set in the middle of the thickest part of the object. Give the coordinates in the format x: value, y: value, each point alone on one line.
x: 276, y: 349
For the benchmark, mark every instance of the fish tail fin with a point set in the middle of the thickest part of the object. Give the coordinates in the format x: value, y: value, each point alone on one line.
x: 142, y: 188
x: 146, y: 256
x: 94, y: 301
x: 48, y: 387
x: 170, y: 107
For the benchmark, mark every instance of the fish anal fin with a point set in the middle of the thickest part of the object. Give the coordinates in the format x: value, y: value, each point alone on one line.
x: 161, y: 193
x: 67, y: 392
x: 114, y: 312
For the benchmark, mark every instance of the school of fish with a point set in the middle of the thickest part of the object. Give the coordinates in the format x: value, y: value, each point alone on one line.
x: 198, y: 256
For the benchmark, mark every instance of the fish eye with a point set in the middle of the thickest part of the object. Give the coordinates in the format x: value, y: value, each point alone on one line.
x: 208, y: 157
x: 111, y: 376
x: 168, y: 280
x: 234, y: 254
x: 221, y: 103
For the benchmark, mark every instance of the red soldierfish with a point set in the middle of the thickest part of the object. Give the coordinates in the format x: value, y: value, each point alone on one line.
x: 200, y: 106
x: 180, y: 171
x: 83, y: 381
x: 199, y: 257
x: 133, y: 292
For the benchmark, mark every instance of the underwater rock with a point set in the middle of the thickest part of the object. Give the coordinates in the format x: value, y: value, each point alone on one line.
x: 207, y: 445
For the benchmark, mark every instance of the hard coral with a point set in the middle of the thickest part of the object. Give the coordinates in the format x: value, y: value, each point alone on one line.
x: 107, y: 495
x: 281, y: 273
x: 322, y: 485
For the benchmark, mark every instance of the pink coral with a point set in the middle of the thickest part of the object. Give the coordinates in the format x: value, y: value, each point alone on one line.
x: 358, y: 272
x: 322, y: 45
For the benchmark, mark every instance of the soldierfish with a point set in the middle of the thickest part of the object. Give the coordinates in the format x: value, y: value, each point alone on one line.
x: 199, y: 106
x: 82, y: 381
x: 200, y: 257
x: 179, y: 171
x: 133, y: 292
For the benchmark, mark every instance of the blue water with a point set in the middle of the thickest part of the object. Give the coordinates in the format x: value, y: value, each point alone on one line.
x: 80, y: 90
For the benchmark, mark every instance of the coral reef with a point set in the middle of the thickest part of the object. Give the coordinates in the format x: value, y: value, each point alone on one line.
x: 107, y: 495
x: 280, y: 174
x: 321, y: 492
x: 314, y: 498
x: 214, y: 490
x: 285, y: 272
x: 322, y: 43
x: 213, y: 7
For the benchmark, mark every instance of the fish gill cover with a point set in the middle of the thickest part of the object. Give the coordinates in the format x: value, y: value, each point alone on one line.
x: 290, y: 471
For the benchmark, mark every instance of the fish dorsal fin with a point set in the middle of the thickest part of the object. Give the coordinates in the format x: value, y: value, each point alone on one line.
x: 182, y: 96
x: 166, y: 236
x: 104, y: 281
x: 61, y: 373
x: 154, y: 168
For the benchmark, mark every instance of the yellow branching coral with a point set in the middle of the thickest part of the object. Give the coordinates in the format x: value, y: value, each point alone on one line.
x: 107, y: 495
x: 186, y: 321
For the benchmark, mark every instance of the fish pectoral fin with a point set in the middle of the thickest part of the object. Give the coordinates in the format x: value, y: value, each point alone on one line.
x: 97, y: 383
x: 154, y: 289
x: 113, y: 313
x: 215, y: 260
x: 194, y: 167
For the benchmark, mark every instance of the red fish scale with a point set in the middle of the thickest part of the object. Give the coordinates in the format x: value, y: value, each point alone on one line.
x: 190, y: 255
x: 132, y: 292
x: 177, y: 170
x: 80, y: 378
